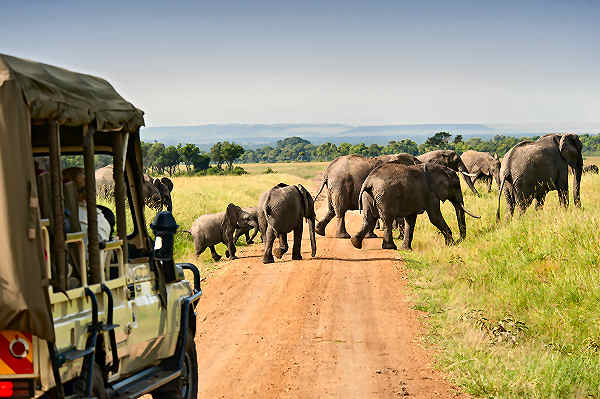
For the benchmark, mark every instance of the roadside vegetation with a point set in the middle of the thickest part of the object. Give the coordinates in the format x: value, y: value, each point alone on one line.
x: 513, y: 309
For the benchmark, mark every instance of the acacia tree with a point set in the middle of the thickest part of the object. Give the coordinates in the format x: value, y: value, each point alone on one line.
x: 231, y: 152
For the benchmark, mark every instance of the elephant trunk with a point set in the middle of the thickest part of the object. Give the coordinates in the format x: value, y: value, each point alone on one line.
x: 460, y: 218
x: 169, y: 204
x: 497, y: 178
x: 577, y: 185
x: 313, y: 239
x: 465, y: 174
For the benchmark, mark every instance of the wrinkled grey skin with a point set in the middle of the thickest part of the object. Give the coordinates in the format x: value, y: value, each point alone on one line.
x: 344, y: 177
x: 157, y: 192
x: 283, y: 208
x: 483, y: 165
x: 105, y: 185
x: 164, y: 186
x: 209, y: 230
x: 393, y: 190
x: 450, y: 159
x: 590, y: 169
x: 533, y: 168
x: 245, y: 230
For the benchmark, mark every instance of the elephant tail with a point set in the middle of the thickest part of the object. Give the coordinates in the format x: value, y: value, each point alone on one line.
x: 365, y: 187
x: 321, y: 189
x: 499, y: 197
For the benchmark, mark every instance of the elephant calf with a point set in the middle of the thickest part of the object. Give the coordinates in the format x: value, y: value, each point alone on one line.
x: 282, y: 210
x: 209, y: 230
x: 393, y: 190
x: 245, y: 230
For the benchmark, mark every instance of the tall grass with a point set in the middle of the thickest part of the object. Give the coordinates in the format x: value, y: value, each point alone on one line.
x: 515, y: 308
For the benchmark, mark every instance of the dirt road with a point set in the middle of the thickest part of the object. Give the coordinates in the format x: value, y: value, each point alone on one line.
x: 336, y: 326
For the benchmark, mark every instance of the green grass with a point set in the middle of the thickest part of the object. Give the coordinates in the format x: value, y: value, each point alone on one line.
x: 514, y: 309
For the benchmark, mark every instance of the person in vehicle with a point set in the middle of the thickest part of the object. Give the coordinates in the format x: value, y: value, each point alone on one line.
x: 77, y: 175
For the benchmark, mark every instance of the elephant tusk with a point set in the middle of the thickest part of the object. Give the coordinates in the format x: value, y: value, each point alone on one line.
x: 468, y: 213
x: 469, y: 174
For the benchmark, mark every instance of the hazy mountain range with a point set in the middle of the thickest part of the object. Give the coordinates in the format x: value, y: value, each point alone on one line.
x: 255, y: 135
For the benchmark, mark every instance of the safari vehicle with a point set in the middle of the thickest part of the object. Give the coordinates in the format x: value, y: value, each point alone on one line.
x: 80, y: 317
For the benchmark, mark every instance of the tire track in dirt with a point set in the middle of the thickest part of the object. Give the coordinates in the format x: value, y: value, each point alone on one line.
x: 338, y: 325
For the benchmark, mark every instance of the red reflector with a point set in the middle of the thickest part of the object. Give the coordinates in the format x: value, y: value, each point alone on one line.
x: 6, y: 389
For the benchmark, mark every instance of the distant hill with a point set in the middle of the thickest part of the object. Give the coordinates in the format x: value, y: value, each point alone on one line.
x: 256, y: 135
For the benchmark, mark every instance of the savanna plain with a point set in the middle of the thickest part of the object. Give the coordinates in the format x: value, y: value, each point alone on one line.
x: 510, y: 312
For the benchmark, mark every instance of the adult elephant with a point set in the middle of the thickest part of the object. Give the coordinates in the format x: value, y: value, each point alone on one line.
x: 450, y: 159
x: 344, y: 177
x: 157, y: 192
x: 533, y: 168
x: 105, y: 184
x: 284, y: 209
x: 398, y: 191
x: 483, y: 166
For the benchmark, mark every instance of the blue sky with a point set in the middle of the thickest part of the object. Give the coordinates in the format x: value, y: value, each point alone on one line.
x: 338, y: 61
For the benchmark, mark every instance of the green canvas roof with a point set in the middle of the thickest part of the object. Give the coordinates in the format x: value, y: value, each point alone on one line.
x: 71, y: 98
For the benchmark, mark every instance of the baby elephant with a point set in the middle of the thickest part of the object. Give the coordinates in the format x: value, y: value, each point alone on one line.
x: 282, y: 210
x: 240, y: 231
x: 392, y: 190
x: 209, y: 230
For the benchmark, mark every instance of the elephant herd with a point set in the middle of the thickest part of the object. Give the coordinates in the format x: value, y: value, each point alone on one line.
x: 157, y: 192
x: 393, y: 189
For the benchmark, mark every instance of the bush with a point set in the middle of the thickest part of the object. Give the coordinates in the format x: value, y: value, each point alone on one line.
x: 269, y: 171
x: 214, y: 171
x: 238, y: 171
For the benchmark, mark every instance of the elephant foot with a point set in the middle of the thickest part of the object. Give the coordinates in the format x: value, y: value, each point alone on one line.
x: 278, y: 252
x: 344, y: 235
x: 356, y: 242
x: 372, y: 235
x: 320, y: 230
x: 216, y: 258
x: 268, y: 259
x: 388, y: 245
x: 227, y: 253
x: 406, y: 248
x: 250, y: 242
x: 297, y: 257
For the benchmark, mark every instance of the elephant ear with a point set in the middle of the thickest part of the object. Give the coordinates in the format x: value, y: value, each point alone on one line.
x: 309, y: 205
x: 438, y: 178
x: 168, y: 183
x: 570, y: 149
x: 230, y: 221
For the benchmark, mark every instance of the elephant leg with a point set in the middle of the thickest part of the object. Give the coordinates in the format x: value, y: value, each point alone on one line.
x: 200, y: 249
x: 388, y: 240
x: 320, y: 228
x: 269, y: 240
x: 510, y: 199
x: 296, y: 255
x: 539, y: 201
x: 436, y: 218
x: 489, y: 183
x: 283, y: 246
x: 369, y: 221
x: 378, y: 225
x: 400, y: 226
x: 216, y: 257
x: 523, y: 201
x: 409, y: 230
x: 341, y: 227
x: 251, y: 240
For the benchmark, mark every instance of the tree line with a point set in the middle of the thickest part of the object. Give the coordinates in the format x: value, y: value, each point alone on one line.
x: 161, y: 159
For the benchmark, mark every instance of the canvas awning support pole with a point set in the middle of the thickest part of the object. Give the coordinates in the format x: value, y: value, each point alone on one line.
x: 58, y: 211
x: 119, y: 148
x: 92, y: 213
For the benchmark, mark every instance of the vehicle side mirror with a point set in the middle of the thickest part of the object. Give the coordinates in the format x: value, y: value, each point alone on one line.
x: 164, y: 227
